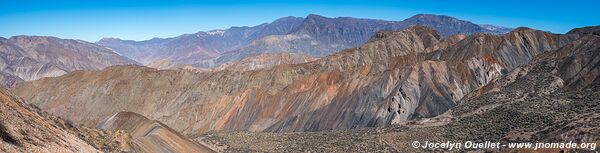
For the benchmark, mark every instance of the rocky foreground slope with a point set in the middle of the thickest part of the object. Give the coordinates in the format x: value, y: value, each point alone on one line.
x: 151, y: 136
x: 25, y: 128
x: 22, y: 129
x: 396, y: 76
x: 25, y: 58
x: 554, y: 98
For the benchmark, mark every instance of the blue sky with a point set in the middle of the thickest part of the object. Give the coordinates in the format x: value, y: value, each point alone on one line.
x: 140, y: 20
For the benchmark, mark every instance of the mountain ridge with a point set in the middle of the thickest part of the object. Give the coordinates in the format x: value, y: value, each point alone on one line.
x: 287, y: 34
x: 382, y: 83
x: 532, y: 103
x: 149, y: 135
x: 197, y: 46
x: 320, y: 36
x: 26, y: 58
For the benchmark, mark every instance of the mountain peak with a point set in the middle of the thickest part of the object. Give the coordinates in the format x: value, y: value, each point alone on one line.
x: 419, y: 30
x: 31, y: 37
x: 593, y: 30
x: 521, y: 29
x: 287, y: 18
x: 315, y: 16
x: 430, y: 16
x: 447, y: 25
x: 108, y: 39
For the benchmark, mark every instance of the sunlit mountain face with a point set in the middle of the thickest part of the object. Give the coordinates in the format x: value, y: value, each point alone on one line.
x: 355, y: 77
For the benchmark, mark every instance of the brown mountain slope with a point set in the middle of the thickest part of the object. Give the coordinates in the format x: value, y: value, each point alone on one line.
x: 24, y: 130
x: 396, y: 76
x: 265, y: 61
x: 554, y: 98
x: 27, y: 129
x: 33, y: 57
x: 164, y: 64
x: 313, y: 35
x: 246, y: 64
x: 150, y: 136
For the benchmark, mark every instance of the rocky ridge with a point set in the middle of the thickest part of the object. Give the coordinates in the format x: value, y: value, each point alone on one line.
x: 312, y: 35
x: 188, y: 48
x: 396, y: 76
x: 553, y: 98
x: 320, y: 36
x: 26, y: 58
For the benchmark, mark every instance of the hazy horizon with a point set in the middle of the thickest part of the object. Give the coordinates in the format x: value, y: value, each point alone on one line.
x: 130, y: 20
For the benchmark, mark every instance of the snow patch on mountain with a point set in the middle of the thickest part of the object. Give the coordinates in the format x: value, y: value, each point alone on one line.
x: 216, y: 32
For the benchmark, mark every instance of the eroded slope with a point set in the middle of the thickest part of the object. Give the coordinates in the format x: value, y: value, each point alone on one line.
x: 396, y: 76
x: 151, y: 136
x: 24, y: 130
x: 554, y: 98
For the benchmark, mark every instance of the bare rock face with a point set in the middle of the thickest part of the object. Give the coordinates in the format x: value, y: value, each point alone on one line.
x: 24, y: 130
x: 553, y: 98
x: 396, y: 76
x: 149, y: 135
x: 25, y: 58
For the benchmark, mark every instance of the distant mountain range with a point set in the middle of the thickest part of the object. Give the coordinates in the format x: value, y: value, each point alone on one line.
x: 429, y: 77
x: 189, y: 48
x: 394, y: 77
x: 313, y: 35
x: 25, y: 58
